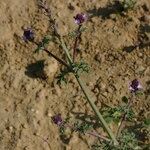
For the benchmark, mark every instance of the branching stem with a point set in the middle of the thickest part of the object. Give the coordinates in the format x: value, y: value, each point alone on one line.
x: 80, y: 82
x: 54, y: 56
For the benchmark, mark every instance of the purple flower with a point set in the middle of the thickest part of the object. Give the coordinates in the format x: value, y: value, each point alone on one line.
x: 80, y: 18
x: 28, y: 35
x: 135, y: 86
x: 57, y: 119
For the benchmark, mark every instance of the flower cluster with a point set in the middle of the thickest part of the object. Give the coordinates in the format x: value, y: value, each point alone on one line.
x: 57, y: 119
x: 135, y: 86
x: 28, y: 35
x: 80, y: 18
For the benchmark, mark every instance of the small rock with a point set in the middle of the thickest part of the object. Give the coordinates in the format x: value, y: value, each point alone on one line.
x: 96, y: 90
x: 105, y: 94
x: 102, y: 86
x: 49, y: 114
x: 50, y: 68
x: 37, y: 112
x: 10, y: 128
x: 32, y: 110
x: 110, y: 90
x: 113, y: 17
x: 140, y: 55
x: 90, y: 84
x: 41, y: 94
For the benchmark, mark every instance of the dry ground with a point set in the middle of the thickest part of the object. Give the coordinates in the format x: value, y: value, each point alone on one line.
x: 28, y: 102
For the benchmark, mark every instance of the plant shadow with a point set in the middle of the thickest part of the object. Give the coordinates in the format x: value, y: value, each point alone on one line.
x: 105, y: 12
x: 36, y: 70
x: 140, y: 133
x: 88, y: 119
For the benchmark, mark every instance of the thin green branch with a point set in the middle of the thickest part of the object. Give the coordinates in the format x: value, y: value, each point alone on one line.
x: 63, y: 45
x: 101, y: 119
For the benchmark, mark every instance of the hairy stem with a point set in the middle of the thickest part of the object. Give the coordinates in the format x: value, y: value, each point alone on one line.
x: 123, y: 119
x: 95, y: 109
x: 63, y: 45
x: 58, y: 59
x: 54, y: 56
x: 76, y: 42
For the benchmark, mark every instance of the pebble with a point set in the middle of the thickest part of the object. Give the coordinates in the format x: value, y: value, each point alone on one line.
x: 102, y: 86
x: 37, y: 112
x: 32, y: 109
x: 10, y: 128
x: 140, y: 55
x: 96, y: 90
x: 113, y: 17
x: 50, y: 68
x: 110, y: 89
x: 41, y: 94
x: 105, y: 94
x: 49, y: 115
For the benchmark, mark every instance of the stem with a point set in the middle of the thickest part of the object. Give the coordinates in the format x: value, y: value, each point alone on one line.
x: 99, y: 136
x: 54, y: 56
x: 123, y: 119
x: 63, y: 45
x: 101, y: 119
x: 58, y: 59
x: 76, y: 42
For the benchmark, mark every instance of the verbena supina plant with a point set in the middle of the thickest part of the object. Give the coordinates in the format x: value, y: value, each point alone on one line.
x: 119, y: 114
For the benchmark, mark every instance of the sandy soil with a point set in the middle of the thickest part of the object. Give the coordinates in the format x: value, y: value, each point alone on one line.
x: 27, y: 102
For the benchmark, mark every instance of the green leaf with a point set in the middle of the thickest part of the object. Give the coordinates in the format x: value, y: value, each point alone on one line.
x: 62, y: 76
x: 109, y: 119
x: 44, y: 42
x: 80, y: 67
x: 125, y: 99
x: 147, y: 122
